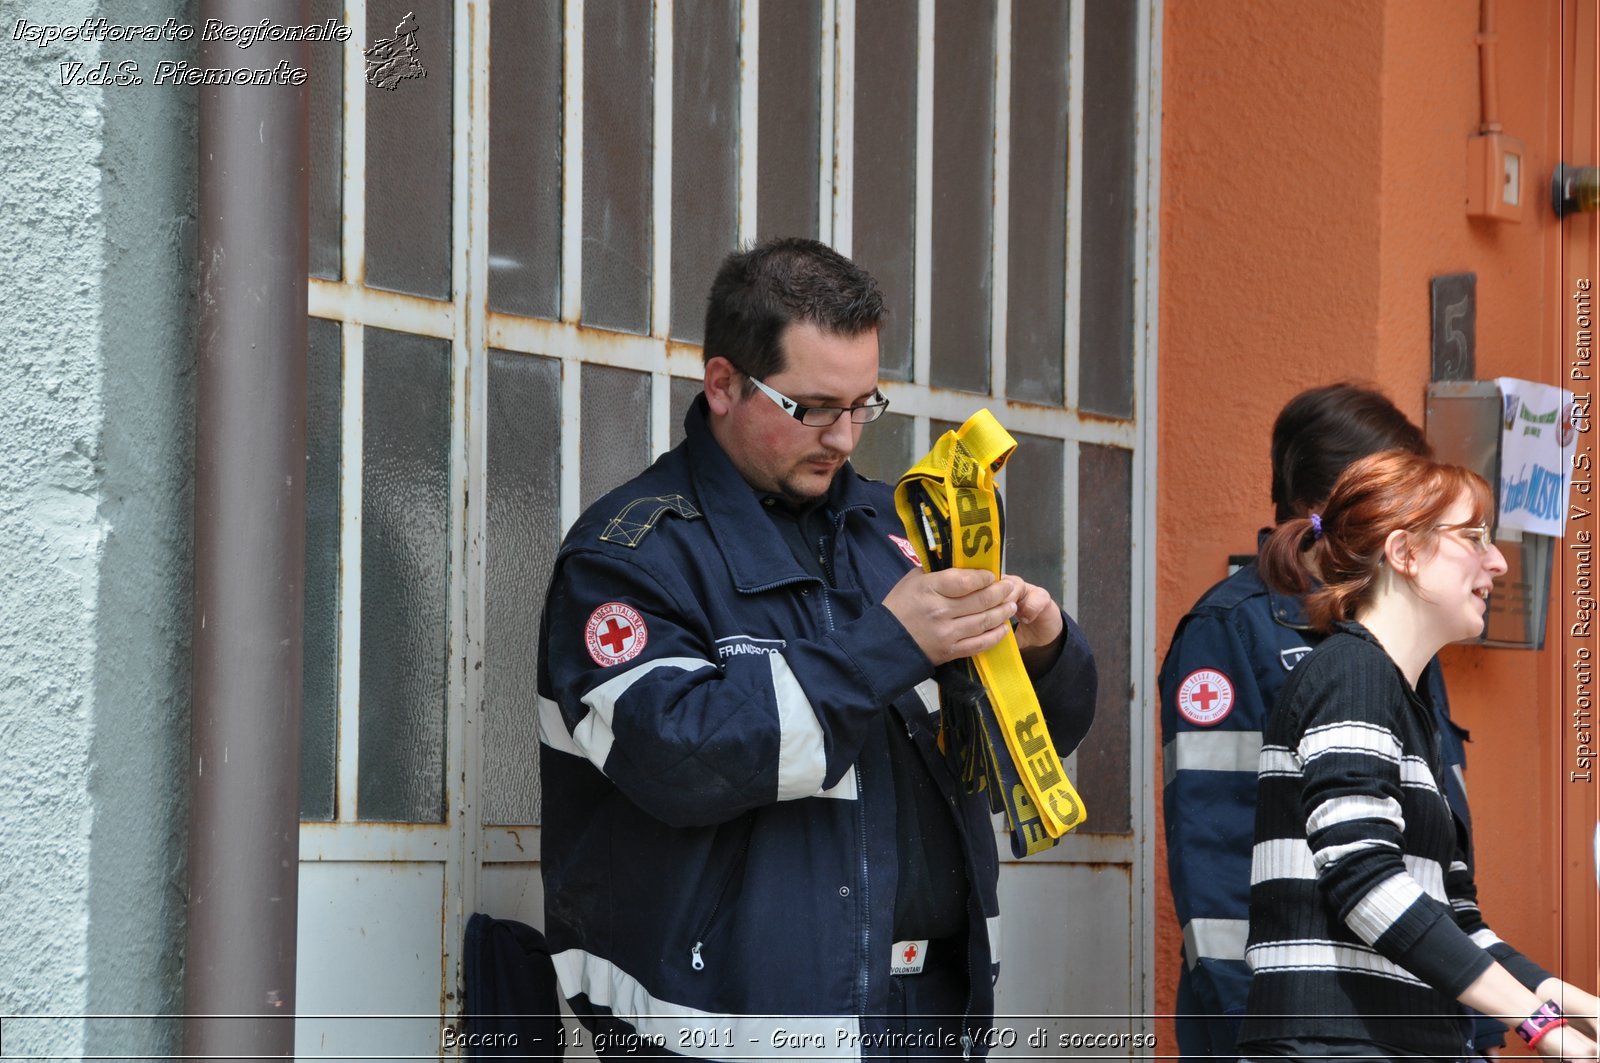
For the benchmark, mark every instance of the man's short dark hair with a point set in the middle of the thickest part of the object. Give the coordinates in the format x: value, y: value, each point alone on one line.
x: 760, y: 291
x: 1320, y: 432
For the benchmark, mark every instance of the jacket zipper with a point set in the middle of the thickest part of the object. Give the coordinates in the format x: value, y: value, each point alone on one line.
x: 864, y: 906
x: 864, y: 903
x: 696, y: 961
x: 966, y: 1010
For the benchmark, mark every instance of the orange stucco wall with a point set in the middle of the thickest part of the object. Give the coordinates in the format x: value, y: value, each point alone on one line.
x: 1313, y: 181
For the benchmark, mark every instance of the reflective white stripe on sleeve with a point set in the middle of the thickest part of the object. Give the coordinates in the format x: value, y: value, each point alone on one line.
x: 703, y: 1034
x: 992, y: 925
x: 845, y: 788
x: 593, y: 734
x: 1215, y: 939
x: 802, y: 757
x: 1211, y: 751
x: 928, y: 691
x: 1350, y: 738
x: 553, y: 729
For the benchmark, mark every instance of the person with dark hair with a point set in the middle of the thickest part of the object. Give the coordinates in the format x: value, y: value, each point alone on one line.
x: 752, y: 841
x: 1220, y: 681
x: 1366, y: 940
x: 1322, y: 430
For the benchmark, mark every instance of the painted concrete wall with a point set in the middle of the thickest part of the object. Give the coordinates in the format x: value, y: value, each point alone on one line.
x: 1313, y: 182
x: 1574, y: 319
x: 94, y: 529
x: 1511, y: 701
x: 1271, y: 169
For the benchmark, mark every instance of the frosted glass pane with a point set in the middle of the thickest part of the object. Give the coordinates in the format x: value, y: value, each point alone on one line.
x: 705, y: 126
x: 409, y: 153
x: 1106, y: 326
x: 1105, y: 595
x: 524, y: 528
x: 616, y: 428
x: 1037, y: 237
x: 405, y: 555
x: 963, y: 193
x: 885, y: 448
x: 617, y: 105
x: 319, y: 685
x: 884, y: 238
x: 327, y: 145
x: 525, y: 159
x: 683, y: 393
x: 1033, y: 496
x: 791, y: 77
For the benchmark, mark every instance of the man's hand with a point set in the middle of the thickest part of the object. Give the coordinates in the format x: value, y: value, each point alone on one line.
x: 954, y: 613
x: 1039, y: 626
x: 962, y: 612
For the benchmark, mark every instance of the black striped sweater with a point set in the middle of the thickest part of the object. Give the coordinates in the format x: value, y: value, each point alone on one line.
x: 1364, y: 920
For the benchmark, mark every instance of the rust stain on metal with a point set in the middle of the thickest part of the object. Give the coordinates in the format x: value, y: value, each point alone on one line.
x: 1104, y: 418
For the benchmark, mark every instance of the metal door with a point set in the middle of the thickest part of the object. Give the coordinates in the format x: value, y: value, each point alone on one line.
x: 510, y: 251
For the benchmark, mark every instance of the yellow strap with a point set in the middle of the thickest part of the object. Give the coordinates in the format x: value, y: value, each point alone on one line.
x: 957, y: 477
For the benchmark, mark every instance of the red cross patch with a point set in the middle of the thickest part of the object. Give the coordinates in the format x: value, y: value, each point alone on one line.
x: 908, y: 957
x: 1206, y: 697
x: 615, y: 633
x: 907, y: 549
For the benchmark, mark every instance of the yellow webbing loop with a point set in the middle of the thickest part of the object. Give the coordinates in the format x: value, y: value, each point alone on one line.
x: 951, y: 512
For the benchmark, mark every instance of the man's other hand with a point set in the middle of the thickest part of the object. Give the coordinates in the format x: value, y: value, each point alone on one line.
x: 1039, y: 627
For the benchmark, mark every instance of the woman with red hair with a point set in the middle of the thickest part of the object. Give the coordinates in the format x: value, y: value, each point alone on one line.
x: 1365, y: 935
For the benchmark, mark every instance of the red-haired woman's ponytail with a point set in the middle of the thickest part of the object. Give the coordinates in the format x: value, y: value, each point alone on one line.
x: 1282, y: 560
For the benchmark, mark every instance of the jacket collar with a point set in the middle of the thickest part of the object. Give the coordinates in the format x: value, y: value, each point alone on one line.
x: 757, y: 557
x: 1288, y: 610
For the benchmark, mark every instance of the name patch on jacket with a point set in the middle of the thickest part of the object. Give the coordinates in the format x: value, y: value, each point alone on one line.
x: 743, y: 645
x: 615, y: 633
x: 1206, y: 697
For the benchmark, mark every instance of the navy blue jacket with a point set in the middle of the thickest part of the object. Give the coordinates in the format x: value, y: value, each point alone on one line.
x: 1221, y: 678
x: 719, y: 830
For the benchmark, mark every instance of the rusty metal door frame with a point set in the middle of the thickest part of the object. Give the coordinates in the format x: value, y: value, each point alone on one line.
x: 462, y: 844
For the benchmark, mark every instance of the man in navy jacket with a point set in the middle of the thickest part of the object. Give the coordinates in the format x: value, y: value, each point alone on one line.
x: 752, y: 844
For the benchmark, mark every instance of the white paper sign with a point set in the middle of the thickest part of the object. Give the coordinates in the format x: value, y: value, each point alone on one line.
x: 1536, y: 439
